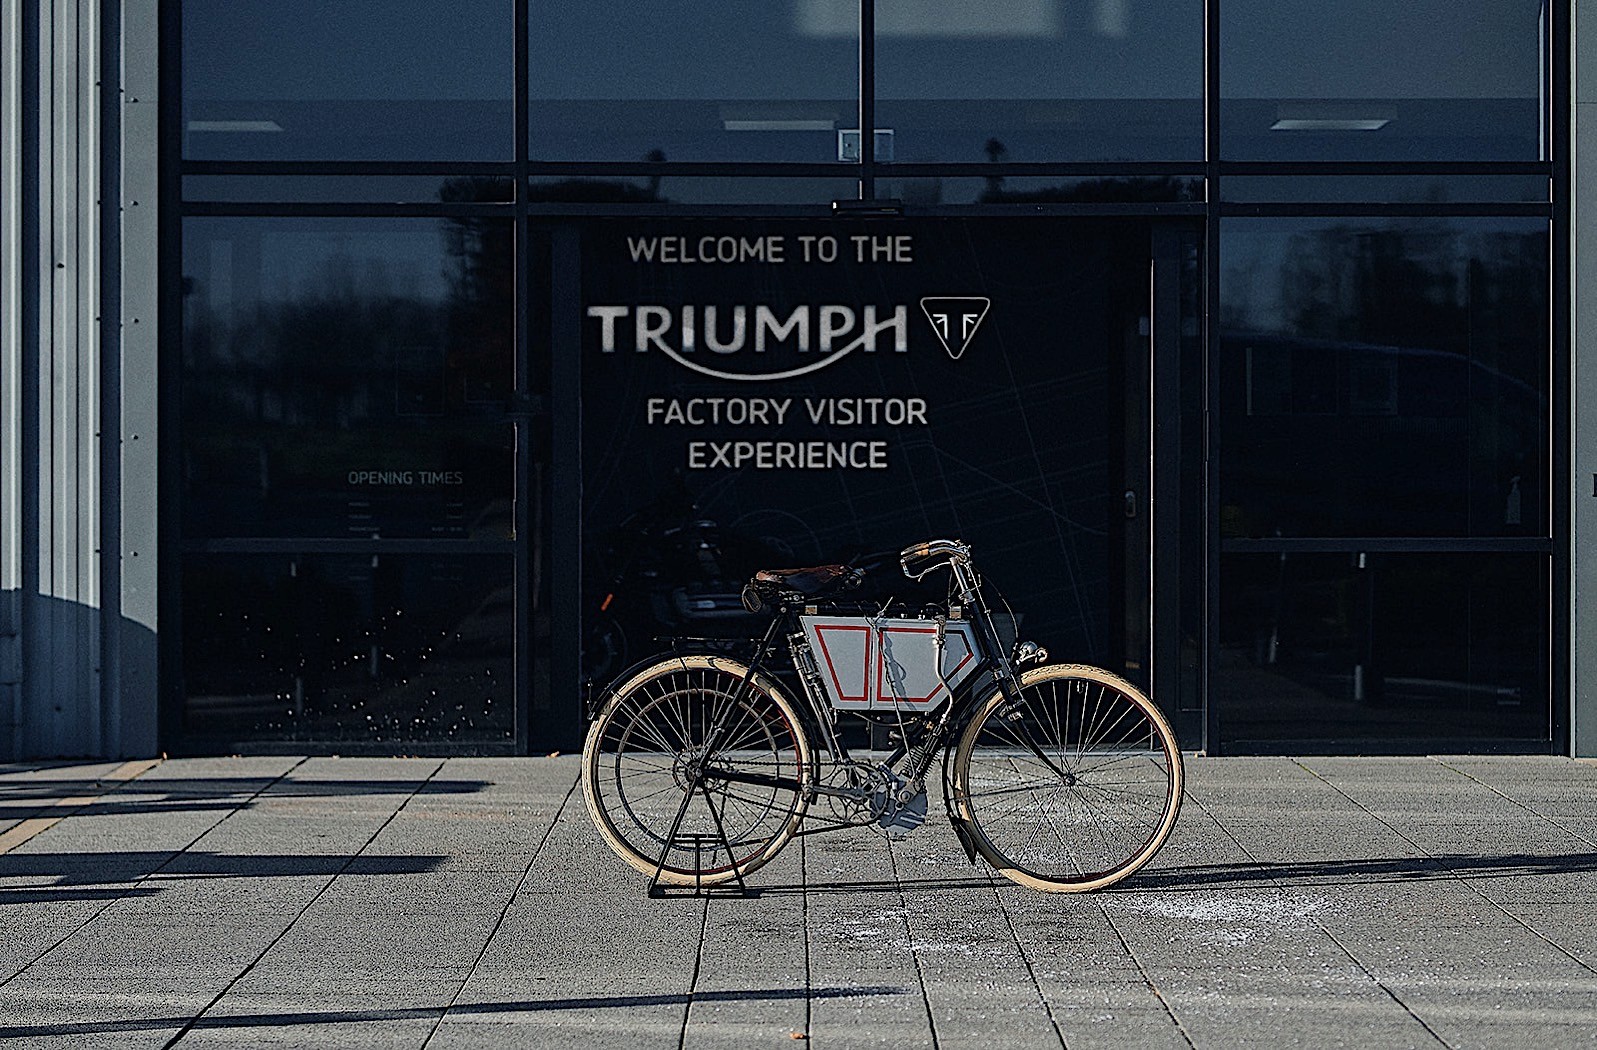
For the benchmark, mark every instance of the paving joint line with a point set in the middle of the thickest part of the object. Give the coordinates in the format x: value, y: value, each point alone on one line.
x: 194, y: 1021
x: 804, y: 921
x: 509, y: 903
x: 1509, y: 798
x: 1461, y: 880
x: 909, y: 939
x: 1147, y: 978
x: 1025, y: 957
x: 149, y: 874
x: 698, y: 963
x: 44, y: 818
x: 1355, y: 960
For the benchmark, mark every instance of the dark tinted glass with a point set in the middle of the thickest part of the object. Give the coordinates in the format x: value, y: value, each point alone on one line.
x: 1384, y: 378
x: 348, y: 80
x: 1367, y: 79
x: 693, y: 81
x: 690, y: 190
x: 1412, y: 651
x: 1388, y: 189
x: 378, y: 648
x: 1035, y: 80
x: 758, y: 448
x: 1112, y: 189
x: 380, y: 189
x: 344, y: 377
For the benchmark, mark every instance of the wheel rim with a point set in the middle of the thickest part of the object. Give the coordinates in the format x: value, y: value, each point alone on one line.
x: 651, y: 746
x: 1098, y: 802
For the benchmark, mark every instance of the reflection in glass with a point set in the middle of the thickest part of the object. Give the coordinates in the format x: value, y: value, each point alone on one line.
x: 679, y: 189
x: 1026, y: 189
x: 1400, y: 650
x: 1387, y: 189
x: 1035, y: 80
x: 381, y: 189
x: 352, y: 80
x: 1384, y: 378
x: 1368, y: 80
x: 700, y: 81
x: 338, y: 375
x: 381, y: 649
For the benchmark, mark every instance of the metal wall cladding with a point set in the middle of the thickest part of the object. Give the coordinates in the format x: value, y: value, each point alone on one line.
x: 890, y: 664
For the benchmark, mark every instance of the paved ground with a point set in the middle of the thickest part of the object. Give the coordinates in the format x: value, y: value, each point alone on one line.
x: 417, y: 902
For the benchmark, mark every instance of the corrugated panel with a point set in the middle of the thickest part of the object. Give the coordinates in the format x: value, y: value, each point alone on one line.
x: 10, y: 376
x: 61, y: 702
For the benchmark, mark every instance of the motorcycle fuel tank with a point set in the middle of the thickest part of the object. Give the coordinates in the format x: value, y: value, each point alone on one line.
x: 872, y: 663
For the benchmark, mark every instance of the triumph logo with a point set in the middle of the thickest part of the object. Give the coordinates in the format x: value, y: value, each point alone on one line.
x: 704, y: 338
x: 955, y: 319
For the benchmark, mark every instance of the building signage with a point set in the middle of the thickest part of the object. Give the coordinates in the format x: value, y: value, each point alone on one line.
x: 775, y: 392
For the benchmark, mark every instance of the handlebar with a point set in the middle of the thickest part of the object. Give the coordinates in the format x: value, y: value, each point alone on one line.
x: 945, y: 552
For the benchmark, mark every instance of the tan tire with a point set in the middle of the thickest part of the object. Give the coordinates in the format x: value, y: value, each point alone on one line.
x: 1096, y: 803
x: 638, y: 757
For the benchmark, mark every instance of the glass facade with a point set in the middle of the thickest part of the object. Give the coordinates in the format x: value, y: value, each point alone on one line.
x: 1262, y: 411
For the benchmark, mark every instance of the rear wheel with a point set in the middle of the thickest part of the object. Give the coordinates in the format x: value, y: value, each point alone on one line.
x: 678, y: 729
x: 1073, y: 784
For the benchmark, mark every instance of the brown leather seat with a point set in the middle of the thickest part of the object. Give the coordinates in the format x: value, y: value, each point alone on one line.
x: 808, y: 582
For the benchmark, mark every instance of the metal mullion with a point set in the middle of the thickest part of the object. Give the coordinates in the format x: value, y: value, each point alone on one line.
x: 169, y: 295
x: 1208, y: 663
x: 867, y: 100
x: 1561, y: 380
x: 521, y: 618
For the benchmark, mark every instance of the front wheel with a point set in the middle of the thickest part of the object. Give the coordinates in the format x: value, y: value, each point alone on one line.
x: 681, y: 743
x: 1072, y: 784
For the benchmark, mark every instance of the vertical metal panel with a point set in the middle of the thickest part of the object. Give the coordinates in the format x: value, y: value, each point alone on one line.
x: 11, y: 262
x: 53, y: 419
x: 136, y: 393
x: 1583, y: 339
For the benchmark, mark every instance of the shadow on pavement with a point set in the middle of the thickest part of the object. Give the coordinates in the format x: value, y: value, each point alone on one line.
x: 21, y: 800
x: 1362, y: 872
x: 92, y: 871
x: 320, y: 1017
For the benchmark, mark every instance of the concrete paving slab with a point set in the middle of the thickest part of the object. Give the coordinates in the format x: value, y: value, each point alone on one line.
x: 469, y: 903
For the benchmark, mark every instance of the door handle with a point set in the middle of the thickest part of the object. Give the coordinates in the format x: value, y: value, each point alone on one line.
x: 1131, y: 503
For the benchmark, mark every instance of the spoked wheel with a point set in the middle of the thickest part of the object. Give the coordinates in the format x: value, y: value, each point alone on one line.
x: 1071, y: 786
x: 678, y: 730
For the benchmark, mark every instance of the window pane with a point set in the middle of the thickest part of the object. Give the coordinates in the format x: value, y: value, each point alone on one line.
x: 1384, y: 378
x: 342, y: 377
x: 1036, y: 80
x: 1365, y: 80
x: 382, y: 189
x: 1387, y: 189
x: 1097, y: 189
x: 348, y: 80
x: 694, y: 81
x: 390, y: 648
x: 1410, y: 650
x: 739, y: 447
x: 677, y: 189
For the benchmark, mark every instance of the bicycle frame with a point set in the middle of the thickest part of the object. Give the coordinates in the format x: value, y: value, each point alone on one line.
x: 994, y: 670
x: 1063, y: 777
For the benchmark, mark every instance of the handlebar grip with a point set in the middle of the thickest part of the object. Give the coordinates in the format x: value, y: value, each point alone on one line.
x: 952, y: 549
